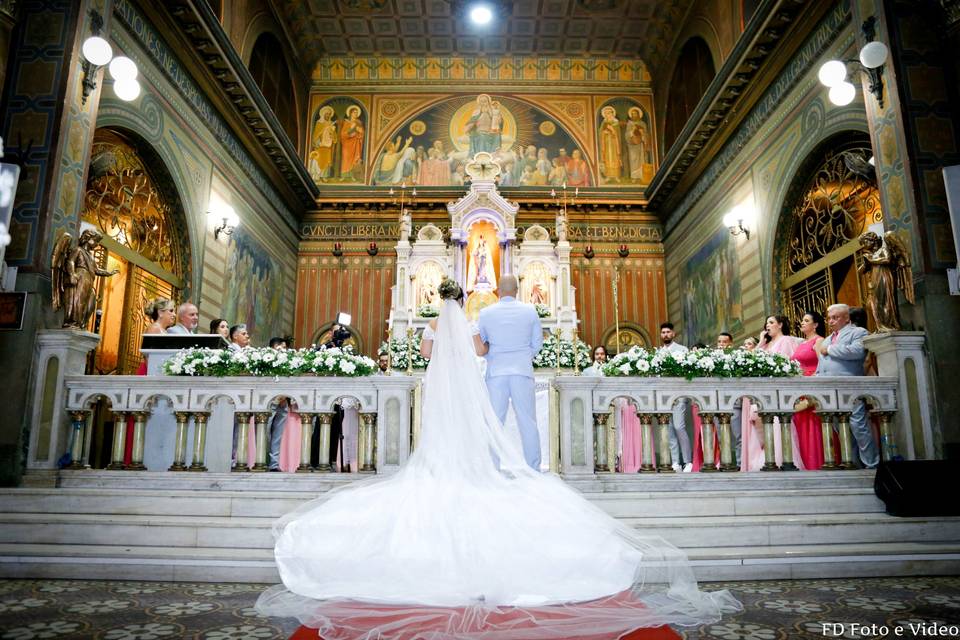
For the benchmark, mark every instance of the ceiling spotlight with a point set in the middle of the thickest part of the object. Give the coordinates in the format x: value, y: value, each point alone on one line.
x: 481, y: 14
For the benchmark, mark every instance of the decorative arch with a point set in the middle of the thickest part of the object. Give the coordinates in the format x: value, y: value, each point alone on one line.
x: 832, y: 199
x: 631, y: 335
x: 693, y: 72
x: 442, y: 126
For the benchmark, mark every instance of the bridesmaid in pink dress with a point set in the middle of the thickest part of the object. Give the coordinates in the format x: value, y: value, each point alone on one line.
x: 807, y: 422
x: 776, y: 338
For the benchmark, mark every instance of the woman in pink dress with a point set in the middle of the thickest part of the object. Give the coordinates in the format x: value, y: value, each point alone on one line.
x: 807, y: 422
x: 776, y: 338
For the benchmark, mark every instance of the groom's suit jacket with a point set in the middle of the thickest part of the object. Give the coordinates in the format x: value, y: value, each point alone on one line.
x: 512, y: 329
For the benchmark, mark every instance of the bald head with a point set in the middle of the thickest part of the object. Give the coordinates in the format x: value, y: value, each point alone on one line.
x: 508, y: 286
x: 188, y: 315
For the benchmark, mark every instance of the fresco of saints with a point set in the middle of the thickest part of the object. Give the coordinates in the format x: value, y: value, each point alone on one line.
x: 637, y: 139
x: 351, y: 143
x: 481, y: 270
x: 484, y: 126
x: 611, y: 152
x: 578, y: 174
x: 392, y: 161
x: 538, y: 293
x: 324, y: 138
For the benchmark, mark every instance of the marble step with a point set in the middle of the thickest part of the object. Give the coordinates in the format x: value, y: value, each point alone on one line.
x: 217, y: 564
x: 276, y: 503
x: 320, y: 482
x: 685, y: 532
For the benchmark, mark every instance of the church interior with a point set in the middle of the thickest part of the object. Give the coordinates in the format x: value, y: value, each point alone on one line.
x: 309, y: 172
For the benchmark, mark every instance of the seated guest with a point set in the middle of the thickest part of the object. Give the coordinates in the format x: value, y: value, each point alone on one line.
x: 699, y: 345
x: 750, y: 343
x: 188, y: 317
x: 842, y: 354
x: 599, y: 359
x: 239, y: 338
x: 221, y: 326
x: 775, y: 338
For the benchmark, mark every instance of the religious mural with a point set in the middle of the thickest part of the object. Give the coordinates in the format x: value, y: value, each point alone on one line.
x: 255, y: 286
x: 625, y: 144
x: 433, y: 147
x: 711, y: 290
x: 337, y: 136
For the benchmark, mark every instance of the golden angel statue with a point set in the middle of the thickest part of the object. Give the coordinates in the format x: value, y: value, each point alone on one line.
x: 886, y: 264
x: 75, y: 273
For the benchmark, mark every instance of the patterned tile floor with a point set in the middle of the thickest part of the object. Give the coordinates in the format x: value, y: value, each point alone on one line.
x: 772, y: 610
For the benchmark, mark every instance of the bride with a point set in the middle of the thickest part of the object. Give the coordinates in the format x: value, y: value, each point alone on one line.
x: 466, y: 541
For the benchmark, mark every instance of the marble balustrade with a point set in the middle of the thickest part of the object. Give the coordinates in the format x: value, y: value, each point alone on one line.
x: 586, y: 421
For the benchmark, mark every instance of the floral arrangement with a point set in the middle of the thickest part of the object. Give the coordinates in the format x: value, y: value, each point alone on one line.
x: 542, y: 310
x: 398, y: 352
x: 427, y: 311
x: 269, y: 362
x: 697, y: 363
x: 547, y: 357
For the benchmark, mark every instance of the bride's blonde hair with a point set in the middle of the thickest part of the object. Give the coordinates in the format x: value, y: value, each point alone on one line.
x: 450, y: 290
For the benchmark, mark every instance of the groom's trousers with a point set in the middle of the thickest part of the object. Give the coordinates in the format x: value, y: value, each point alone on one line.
x: 522, y: 391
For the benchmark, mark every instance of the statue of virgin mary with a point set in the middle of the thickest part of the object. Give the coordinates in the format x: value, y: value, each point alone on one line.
x: 480, y: 270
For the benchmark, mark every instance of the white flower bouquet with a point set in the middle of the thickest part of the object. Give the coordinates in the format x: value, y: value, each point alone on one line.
x: 398, y: 352
x: 268, y: 362
x: 543, y: 310
x: 702, y: 363
x: 427, y: 311
x: 547, y: 357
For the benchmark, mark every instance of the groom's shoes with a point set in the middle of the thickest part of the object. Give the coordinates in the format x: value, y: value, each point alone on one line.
x: 687, y: 468
x: 676, y: 467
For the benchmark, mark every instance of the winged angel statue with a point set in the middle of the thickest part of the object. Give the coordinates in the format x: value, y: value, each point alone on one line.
x: 75, y: 273
x: 886, y: 264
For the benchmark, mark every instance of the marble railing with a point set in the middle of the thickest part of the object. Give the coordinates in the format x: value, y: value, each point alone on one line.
x: 586, y: 431
x: 174, y: 416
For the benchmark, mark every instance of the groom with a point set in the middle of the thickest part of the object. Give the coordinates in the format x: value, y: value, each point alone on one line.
x: 512, y: 329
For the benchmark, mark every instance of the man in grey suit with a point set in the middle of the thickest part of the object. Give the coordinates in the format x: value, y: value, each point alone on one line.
x: 842, y: 354
x: 679, y: 439
x: 188, y: 317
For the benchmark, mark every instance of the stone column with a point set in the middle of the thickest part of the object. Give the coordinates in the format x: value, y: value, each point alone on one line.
x: 826, y: 428
x: 199, y: 441
x: 78, y: 420
x: 180, y: 442
x: 600, y: 443
x: 727, y: 460
x: 706, y: 441
x: 136, y: 456
x: 786, y: 441
x: 119, y: 440
x: 888, y: 444
x: 846, y: 442
x: 769, y: 450
x: 326, y: 420
x: 241, y: 425
x: 368, y: 442
x: 664, y: 460
x: 262, y: 447
x: 646, y: 435
x: 306, y: 434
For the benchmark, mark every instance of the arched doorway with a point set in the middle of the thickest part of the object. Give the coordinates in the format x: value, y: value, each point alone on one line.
x: 131, y: 199
x: 834, y: 199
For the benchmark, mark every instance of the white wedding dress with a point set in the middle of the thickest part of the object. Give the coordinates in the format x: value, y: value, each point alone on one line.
x: 467, y: 542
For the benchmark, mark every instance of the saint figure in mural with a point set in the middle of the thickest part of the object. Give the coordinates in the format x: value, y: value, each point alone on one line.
x: 538, y: 293
x: 392, y: 161
x: 611, y: 153
x: 323, y: 140
x: 481, y: 270
x: 578, y: 173
x: 351, y: 143
x: 485, y: 126
x: 638, y: 142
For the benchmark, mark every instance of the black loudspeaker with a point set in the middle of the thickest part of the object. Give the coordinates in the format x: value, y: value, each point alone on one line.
x: 917, y: 487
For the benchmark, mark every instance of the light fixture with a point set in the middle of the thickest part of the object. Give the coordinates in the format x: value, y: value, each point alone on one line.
x: 737, y: 220
x: 481, y: 14
x: 228, y: 219
x: 873, y: 56
x: 97, y: 53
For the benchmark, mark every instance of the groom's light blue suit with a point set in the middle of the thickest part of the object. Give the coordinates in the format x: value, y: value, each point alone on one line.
x: 512, y: 329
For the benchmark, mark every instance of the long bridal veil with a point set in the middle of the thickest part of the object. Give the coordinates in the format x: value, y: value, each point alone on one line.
x: 466, y: 541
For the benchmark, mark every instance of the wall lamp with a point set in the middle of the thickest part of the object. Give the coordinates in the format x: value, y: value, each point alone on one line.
x: 228, y: 220
x: 873, y: 55
x: 97, y: 53
x: 738, y: 221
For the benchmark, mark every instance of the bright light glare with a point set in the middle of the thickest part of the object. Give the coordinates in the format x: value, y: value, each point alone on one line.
x: 832, y: 73
x: 126, y: 90
x: 97, y: 51
x: 842, y: 94
x: 481, y: 14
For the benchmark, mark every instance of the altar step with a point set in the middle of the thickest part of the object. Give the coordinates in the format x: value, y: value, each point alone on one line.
x: 217, y: 527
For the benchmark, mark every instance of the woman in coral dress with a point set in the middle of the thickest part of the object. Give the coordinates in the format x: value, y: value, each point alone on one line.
x: 807, y: 422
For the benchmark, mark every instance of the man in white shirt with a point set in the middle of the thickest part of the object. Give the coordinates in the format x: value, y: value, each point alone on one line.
x: 188, y: 317
x: 679, y: 439
x: 599, y: 359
